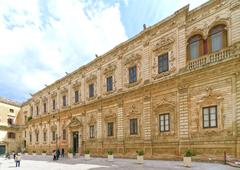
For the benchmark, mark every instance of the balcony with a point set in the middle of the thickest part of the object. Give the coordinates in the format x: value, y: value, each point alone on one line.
x: 214, y: 58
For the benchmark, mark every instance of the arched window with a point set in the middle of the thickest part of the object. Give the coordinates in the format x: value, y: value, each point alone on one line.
x: 217, y: 38
x: 195, y: 47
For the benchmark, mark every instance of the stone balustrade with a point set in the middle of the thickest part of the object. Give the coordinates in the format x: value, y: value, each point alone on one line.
x: 215, y: 57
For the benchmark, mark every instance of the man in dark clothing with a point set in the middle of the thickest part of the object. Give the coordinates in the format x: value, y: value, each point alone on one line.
x: 62, y: 152
x: 58, y: 153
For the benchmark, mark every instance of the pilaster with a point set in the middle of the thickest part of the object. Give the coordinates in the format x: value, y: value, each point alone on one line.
x: 99, y: 124
x: 120, y: 121
x: 183, y: 112
x: 147, y: 117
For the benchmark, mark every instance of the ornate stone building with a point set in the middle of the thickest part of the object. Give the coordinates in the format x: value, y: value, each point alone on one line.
x: 175, y: 85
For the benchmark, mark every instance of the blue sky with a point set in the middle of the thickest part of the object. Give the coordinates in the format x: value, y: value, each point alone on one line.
x: 40, y: 40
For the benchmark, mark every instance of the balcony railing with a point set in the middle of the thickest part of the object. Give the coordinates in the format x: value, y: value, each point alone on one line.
x: 216, y: 57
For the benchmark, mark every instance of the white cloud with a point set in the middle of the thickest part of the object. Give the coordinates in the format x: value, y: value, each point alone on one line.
x: 40, y: 40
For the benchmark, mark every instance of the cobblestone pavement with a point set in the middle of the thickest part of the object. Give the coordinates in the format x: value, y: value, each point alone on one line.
x: 46, y: 163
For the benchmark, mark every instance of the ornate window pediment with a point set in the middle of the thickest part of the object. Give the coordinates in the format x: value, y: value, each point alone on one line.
x: 163, y: 46
x: 53, y: 94
x: 91, y: 87
x: 76, y: 84
x: 54, y: 127
x: 130, y: 62
x: 75, y: 122
x: 64, y: 90
x: 109, y: 74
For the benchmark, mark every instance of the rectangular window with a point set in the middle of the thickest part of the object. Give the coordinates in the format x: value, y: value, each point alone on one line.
x: 44, y: 136
x: 53, y: 104
x: 163, y: 63
x: 64, y: 134
x: 36, y: 137
x: 133, y: 127
x: 37, y: 110
x: 109, y: 83
x: 10, y: 121
x: 11, y: 135
x: 76, y: 96
x: 164, y: 122
x: 64, y: 98
x: 30, y: 137
x: 45, y: 107
x: 216, y: 41
x: 91, y: 90
x: 110, y: 129
x: 53, y: 135
x: 210, y: 117
x: 11, y: 110
x: 91, y: 131
x: 132, y: 74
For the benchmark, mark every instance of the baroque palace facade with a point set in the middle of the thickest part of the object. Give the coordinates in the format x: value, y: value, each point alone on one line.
x: 175, y: 85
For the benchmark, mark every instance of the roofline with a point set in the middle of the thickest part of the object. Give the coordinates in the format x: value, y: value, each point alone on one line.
x: 122, y: 44
x: 9, y: 102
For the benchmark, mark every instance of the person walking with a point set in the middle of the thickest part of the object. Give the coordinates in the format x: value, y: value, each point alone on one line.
x: 54, y: 155
x: 58, y: 153
x: 18, y: 159
x: 62, y: 152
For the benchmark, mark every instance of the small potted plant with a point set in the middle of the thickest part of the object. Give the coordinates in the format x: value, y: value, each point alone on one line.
x: 187, y: 159
x: 140, y: 154
x: 34, y: 153
x: 87, y: 154
x: 44, y: 153
x: 70, y: 153
x: 110, y: 155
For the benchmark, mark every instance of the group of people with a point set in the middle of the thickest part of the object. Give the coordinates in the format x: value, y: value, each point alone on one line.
x: 56, y: 154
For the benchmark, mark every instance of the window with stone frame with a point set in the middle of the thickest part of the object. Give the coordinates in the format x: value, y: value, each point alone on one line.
x: 133, y: 126
x: 196, y: 46
x: 37, y: 110
x: 164, y: 122
x: 209, y: 117
x: 91, y: 131
x: 64, y: 100
x: 10, y: 121
x: 217, y: 38
x: 44, y: 107
x: 91, y: 90
x: 109, y: 83
x: 110, y: 129
x: 11, y: 135
x: 64, y: 133
x: 44, y: 136
x: 132, y: 74
x: 53, y: 104
x: 53, y: 135
x: 11, y: 110
x: 76, y: 96
x: 163, y: 63
x: 37, y: 135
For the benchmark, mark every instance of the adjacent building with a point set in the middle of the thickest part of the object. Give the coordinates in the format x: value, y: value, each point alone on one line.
x: 10, y: 133
x: 175, y: 85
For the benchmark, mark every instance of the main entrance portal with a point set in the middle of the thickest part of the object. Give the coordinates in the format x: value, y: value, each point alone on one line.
x: 75, y: 147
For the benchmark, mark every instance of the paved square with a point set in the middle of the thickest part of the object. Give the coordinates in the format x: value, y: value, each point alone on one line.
x: 46, y: 163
